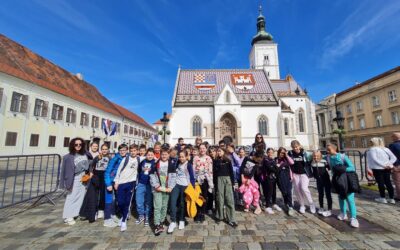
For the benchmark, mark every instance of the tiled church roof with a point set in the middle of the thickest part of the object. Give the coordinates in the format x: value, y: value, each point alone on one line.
x: 20, y: 62
x: 286, y: 87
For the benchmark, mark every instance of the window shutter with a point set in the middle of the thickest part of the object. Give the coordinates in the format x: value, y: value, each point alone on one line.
x: 45, y: 109
x: 81, y: 122
x: 60, y: 113
x: 53, y: 112
x: 24, y: 103
x: 1, y: 95
x: 73, y: 116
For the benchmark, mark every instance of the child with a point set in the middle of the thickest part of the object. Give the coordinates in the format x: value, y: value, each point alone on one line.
x: 125, y: 183
x: 157, y: 150
x: 184, y: 177
x: 284, y: 178
x: 142, y: 152
x: 301, y: 176
x: 321, y: 174
x: 163, y: 180
x: 110, y: 220
x: 223, y: 174
x: 173, y: 156
x: 144, y: 197
x: 268, y: 183
x: 249, y: 187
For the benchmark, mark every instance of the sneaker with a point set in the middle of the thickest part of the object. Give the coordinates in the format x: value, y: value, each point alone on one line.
x: 327, y: 213
x: 115, y: 218
x: 277, y: 208
x: 342, y: 216
x: 269, y: 210
x: 100, y: 214
x: 110, y: 223
x: 354, y: 223
x: 139, y: 220
x: 381, y: 200
x: 171, y: 227
x: 246, y: 210
x: 123, y: 226
x: 70, y: 221
x: 157, y: 230
x: 258, y: 210
x: 321, y: 211
x: 302, y: 210
x: 391, y: 201
x: 233, y: 224
x: 290, y: 211
x: 146, y: 222
x: 181, y: 225
x: 312, y: 209
x: 120, y: 222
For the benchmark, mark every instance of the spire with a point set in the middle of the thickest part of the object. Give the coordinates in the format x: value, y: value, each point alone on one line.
x: 261, y: 35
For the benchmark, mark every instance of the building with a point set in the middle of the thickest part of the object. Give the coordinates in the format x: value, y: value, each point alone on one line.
x: 235, y: 104
x: 371, y: 109
x: 326, y: 112
x: 42, y: 107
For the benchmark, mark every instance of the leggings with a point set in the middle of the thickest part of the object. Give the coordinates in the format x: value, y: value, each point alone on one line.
x: 269, y: 190
x: 324, y: 185
x: 352, y: 205
x: 382, y: 177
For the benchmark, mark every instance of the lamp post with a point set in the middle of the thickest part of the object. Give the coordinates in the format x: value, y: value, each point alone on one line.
x: 339, y: 119
x: 164, y: 121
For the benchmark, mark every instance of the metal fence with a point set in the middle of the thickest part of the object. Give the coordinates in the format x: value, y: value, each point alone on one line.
x: 28, y: 177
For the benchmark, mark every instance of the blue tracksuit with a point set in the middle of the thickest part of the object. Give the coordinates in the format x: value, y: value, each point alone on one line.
x: 109, y: 176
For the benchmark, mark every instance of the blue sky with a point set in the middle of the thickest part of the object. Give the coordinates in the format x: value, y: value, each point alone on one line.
x: 130, y: 50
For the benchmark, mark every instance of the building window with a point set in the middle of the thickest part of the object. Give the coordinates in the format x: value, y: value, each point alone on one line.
x: 263, y: 125
x: 266, y: 60
x: 115, y: 144
x: 52, y: 141
x: 286, y: 126
x: 71, y: 115
x: 364, y: 142
x: 57, y: 112
x: 395, y: 117
x: 330, y: 115
x: 353, y: 143
x: 196, y: 126
x: 41, y: 108
x: 227, y: 97
x: 131, y: 130
x: 84, y: 119
x: 66, y: 142
x: 118, y: 127
x: 34, y: 142
x: 392, y: 96
x: 19, y: 103
x: 361, y: 121
x: 378, y: 120
x: 375, y: 101
x: 349, y: 109
x: 125, y: 129
x: 11, y: 138
x: 95, y: 121
x: 300, y: 118
x: 359, y: 105
x: 351, y: 124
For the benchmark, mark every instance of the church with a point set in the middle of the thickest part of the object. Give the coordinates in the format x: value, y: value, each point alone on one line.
x: 235, y: 104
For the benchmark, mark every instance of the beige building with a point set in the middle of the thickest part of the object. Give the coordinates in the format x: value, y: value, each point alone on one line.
x: 42, y: 107
x: 326, y: 112
x: 371, y: 109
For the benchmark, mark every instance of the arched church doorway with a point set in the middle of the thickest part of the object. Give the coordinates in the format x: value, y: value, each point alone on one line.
x: 228, y: 129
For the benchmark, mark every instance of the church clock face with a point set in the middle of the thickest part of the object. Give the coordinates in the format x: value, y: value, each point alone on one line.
x: 243, y: 81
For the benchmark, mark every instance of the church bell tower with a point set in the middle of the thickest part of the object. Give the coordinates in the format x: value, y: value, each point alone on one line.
x: 264, y: 51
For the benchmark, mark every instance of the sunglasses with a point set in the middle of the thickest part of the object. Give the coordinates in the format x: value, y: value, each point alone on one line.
x: 78, y: 144
x: 258, y: 137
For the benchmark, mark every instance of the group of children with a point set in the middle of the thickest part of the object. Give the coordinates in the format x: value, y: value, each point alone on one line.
x: 155, y: 181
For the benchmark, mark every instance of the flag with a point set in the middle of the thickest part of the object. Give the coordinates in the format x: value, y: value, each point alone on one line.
x: 113, y: 128
x: 107, y: 126
x: 204, y: 81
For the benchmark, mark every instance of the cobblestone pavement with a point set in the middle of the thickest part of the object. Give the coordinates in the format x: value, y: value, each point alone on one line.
x: 42, y: 228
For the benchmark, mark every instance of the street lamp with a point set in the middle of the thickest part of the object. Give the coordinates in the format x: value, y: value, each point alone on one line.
x: 164, y: 121
x: 339, y: 119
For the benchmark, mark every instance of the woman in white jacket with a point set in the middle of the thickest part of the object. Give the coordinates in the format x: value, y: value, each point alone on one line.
x: 380, y: 160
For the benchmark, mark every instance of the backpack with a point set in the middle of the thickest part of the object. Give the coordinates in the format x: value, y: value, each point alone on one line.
x: 127, y: 160
x: 352, y: 177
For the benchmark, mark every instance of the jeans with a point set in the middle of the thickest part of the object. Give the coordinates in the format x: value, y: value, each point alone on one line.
x: 301, y: 189
x: 178, y: 203
x: 324, y: 185
x: 144, y: 200
x: 124, y: 196
x: 352, y: 205
x: 109, y: 205
x: 382, y: 177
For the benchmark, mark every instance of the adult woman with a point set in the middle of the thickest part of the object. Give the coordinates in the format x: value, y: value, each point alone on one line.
x: 380, y: 160
x: 341, y: 165
x: 74, y: 165
x: 258, y: 142
x: 284, y: 178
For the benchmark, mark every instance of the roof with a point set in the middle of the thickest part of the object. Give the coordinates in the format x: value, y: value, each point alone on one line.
x: 18, y: 61
x: 187, y: 93
x: 384, y: 74
x: 159, y: 122
x: 286, y: 87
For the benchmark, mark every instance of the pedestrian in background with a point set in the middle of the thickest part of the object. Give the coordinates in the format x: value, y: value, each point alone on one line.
x: 395, y: 148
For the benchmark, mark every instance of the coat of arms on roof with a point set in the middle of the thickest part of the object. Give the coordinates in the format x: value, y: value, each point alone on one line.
x: 243, y: 81
x: 204, y: 81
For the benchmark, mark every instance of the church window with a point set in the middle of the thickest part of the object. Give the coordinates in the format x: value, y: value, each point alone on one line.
x: 227, y: 97
x: 300, y: 117
x: 286, y: 126
x: 266, y: 60
x: 196, y: 126
x: 263, y: 125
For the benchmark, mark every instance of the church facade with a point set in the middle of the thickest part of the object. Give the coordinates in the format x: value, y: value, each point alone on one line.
x: 235, y: 104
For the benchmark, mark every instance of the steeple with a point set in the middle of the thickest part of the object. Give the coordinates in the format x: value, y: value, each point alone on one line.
x: 261, y: 35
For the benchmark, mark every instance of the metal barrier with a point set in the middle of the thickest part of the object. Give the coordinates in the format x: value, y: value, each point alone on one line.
x: 27, y: 177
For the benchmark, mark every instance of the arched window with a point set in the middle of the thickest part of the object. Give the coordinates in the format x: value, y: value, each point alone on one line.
x: 227, y: 97
x: 196, y: 126
x: 286, y: 126
x: 263, y: 125
x: 300, y: 117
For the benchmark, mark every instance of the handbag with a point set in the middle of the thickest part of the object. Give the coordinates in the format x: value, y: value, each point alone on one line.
x: 353, y: 182
x: 85, y: 178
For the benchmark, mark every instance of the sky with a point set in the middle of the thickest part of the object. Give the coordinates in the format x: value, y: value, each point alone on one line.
x: 131, y: 49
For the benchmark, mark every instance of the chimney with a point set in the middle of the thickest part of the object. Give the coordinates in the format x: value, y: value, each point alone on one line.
x: 79, y: 76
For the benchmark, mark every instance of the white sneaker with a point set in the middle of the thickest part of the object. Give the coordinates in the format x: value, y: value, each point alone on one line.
x: 277, y: 208
x: 381, y: 200
x: 327, y: 213
x: 354, y: 223
x: 391, y: 201
x: 171, y: 227
x: 115, y: 218
x: 269, y: 210
x: 123, y: 226
x: 321, y: 211
x: 302, y: 210
x: 181, y: 225
x: 100, y: 214
x: 70, y: 221
x: 110, y: 223
x: 342, y: 216
x: 290, y: 211
x: 312, y: 209
x: 120, y: 222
